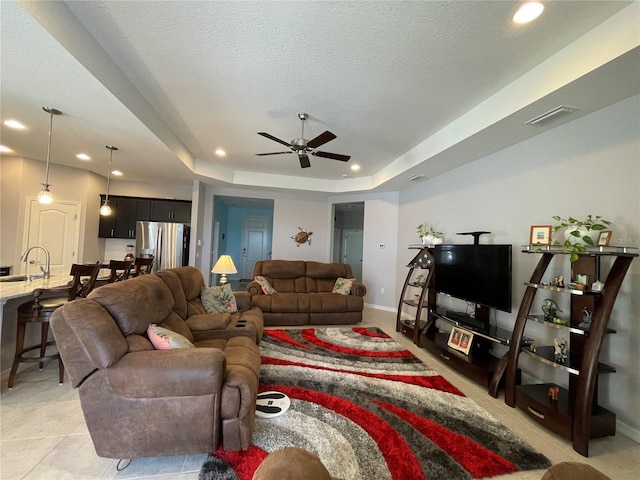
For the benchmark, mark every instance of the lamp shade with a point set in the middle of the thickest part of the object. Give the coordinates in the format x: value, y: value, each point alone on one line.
x: 224, y: 266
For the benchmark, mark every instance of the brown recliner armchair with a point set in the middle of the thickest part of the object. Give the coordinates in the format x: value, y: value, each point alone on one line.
x: 140, y: 402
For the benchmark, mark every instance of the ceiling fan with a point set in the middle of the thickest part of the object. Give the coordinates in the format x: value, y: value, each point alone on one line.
x: 304, y: 147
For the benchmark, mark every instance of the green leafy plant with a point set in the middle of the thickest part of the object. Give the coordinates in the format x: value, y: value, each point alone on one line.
x: 578, y: 232
x: 425, y: 229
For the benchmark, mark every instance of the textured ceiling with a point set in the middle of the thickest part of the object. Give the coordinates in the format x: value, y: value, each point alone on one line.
x: 171, y: 82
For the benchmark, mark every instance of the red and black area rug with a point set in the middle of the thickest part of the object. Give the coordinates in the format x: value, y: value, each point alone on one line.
x: 371, y: 410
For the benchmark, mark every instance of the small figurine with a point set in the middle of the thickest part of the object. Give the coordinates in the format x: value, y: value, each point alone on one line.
x: 586, y: 320
x: 560, y: 349
x: 553, y: 393
x: 550, y: 308
x: 532, y: 347
x: 560, y: 281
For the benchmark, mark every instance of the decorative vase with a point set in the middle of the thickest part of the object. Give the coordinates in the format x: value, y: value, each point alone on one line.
x: 584, y: 232
x: 437, y: 241
x: 427, y: 239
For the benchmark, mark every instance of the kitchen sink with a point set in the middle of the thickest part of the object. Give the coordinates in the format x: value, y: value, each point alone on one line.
x: 14, y: 278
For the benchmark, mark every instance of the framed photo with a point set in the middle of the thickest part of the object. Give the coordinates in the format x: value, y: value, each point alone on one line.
x: 540, y: 235
x: 604, y: 238
x: 460, y: 339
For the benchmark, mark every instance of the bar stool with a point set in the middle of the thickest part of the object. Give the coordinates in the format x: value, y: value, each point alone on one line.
x: 143, y: 266
x: 120, y: 270
x: 39, y: 311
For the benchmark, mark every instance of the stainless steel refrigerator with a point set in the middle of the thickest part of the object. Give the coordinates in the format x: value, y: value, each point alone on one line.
x: 167, y: 242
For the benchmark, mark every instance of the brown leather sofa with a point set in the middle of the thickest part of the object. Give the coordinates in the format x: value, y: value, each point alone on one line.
x: 304, y: 293
x: 138, y: 401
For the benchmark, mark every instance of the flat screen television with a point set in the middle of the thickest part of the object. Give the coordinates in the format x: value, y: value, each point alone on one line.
x: 480, y: 274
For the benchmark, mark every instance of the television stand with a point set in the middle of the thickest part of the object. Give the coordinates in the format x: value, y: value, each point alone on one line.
x: 462, y: 319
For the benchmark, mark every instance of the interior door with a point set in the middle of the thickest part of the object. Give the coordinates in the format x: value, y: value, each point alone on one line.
x: 352, y: 251
x: 255, y: 243
x: 55, y: 227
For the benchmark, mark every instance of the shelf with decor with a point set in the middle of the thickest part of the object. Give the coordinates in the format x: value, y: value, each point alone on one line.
x: 572, y: 412
x: 417, y: 294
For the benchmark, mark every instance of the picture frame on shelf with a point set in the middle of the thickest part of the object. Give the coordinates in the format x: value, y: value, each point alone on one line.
x: 604, y: 238
x: 460, y: 340
x: 540, y: 235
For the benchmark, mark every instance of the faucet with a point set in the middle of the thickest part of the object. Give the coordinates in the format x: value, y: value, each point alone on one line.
x: 46, y: 273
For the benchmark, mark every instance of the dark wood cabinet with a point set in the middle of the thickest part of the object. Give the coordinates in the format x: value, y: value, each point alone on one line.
x: 130, y: 211
x: 177, y: 211
x: 574, y: 413
x: 126, y: 211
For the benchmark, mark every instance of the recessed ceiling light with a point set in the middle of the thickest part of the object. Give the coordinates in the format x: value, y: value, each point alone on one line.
x: 528, y: 12
x: 117, y: 173
x: 355, y: 167
x: 14, y: 124
x: 4, y: 149
x: 220, y: 152
x: 83, y: 156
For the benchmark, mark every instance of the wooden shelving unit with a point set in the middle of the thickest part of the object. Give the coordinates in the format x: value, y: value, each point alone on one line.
x: 423, y: 297
x: 576, y: 414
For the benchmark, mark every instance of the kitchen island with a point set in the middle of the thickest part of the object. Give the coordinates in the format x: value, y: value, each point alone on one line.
x: 12, y: 294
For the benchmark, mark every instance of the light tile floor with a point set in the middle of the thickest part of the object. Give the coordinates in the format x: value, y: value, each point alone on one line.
x: 43, y: 434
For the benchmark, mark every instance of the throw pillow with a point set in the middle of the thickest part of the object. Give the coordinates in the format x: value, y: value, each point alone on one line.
x: 165, y: 339
x: 343, y: 286
x: 265, y: 285
x: 218, y: 299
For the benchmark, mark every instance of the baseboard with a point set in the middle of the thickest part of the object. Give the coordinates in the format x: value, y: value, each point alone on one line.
x: 380, y: 307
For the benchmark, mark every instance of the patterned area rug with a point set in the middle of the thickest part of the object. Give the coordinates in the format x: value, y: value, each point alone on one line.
x: 371, y: 410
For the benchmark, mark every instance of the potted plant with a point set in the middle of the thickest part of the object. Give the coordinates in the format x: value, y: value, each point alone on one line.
x: 578, y: 234
x: 429, y: 234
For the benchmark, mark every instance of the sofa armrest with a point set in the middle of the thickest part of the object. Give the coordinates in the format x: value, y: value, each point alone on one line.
x: 358, y: 289
x: 208, y: 321
x: 243, y: 300
x: 168, y: 373
x: 254, y: 288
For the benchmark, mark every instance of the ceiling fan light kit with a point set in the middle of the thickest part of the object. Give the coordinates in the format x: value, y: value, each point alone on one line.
x: 304, y: 147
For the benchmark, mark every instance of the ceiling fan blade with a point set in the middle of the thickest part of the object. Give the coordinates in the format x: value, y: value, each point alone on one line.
x: 275, y: 139
x: 332, y: 156
x: 321, y: 139
x: 304, y: 160
x: 272, y: 153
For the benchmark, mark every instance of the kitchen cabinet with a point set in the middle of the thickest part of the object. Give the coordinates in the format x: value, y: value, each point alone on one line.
x: 125, y: 212
x: 178, y: 211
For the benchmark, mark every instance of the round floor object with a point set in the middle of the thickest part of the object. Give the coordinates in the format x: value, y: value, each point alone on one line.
x: 271, y: 404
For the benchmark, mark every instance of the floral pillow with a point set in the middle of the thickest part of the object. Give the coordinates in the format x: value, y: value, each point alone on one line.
x: 343, y: 286
x: 165, y: 339
x: 265, y: 285
x: 218, y: 299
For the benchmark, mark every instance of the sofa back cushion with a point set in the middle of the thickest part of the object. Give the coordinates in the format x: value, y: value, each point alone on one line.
x: 192, y: 282
x: 285, y: 276
x: 87, y: 338
x: 321, y: 277
x: 136, y: 302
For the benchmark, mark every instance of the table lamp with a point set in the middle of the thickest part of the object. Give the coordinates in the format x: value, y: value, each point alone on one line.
x: 223, y: 266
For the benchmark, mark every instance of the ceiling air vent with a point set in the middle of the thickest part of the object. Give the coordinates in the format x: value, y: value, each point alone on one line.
x: 415, y: 177
x: 551, y: 115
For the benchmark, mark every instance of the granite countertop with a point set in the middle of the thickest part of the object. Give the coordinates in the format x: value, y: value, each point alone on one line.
x: 9, y: 290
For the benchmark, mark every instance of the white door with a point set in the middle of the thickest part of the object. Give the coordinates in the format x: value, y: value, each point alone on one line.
x: 56, y: 228
x: 352, y: 251
x: 255, y: 242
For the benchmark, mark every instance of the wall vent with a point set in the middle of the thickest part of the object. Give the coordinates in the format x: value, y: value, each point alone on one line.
x: 551, y: 115
x: 415, y: 177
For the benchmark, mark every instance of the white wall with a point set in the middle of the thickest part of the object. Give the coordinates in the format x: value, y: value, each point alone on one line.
x: 591, y: 165
x: 312, y: 216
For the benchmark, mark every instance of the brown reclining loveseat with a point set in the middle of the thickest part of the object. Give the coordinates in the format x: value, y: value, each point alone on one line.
x: 304, y: 293
x: 138, y: 401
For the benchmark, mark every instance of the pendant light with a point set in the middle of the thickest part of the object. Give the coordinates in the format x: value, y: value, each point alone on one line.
x: 44, y: 196
x: 105, y: 209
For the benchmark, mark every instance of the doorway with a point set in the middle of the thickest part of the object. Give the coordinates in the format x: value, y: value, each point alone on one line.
x: 54, y: 227
x: 348, y: 235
